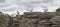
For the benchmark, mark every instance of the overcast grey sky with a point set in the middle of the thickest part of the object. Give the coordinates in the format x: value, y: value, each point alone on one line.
x: 11, y: 6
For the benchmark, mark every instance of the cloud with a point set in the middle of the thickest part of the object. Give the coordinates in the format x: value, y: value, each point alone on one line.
x: 11, y: 6
x: 2, y: 1
x: 42, y: 1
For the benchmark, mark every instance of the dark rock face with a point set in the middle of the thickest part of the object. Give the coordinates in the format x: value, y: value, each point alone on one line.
x: 4, y: 20
x: 31, y: 19
x: 37, y: 19
x: 58, y: 10
x: 55, y: 21
x: 34, y: 19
